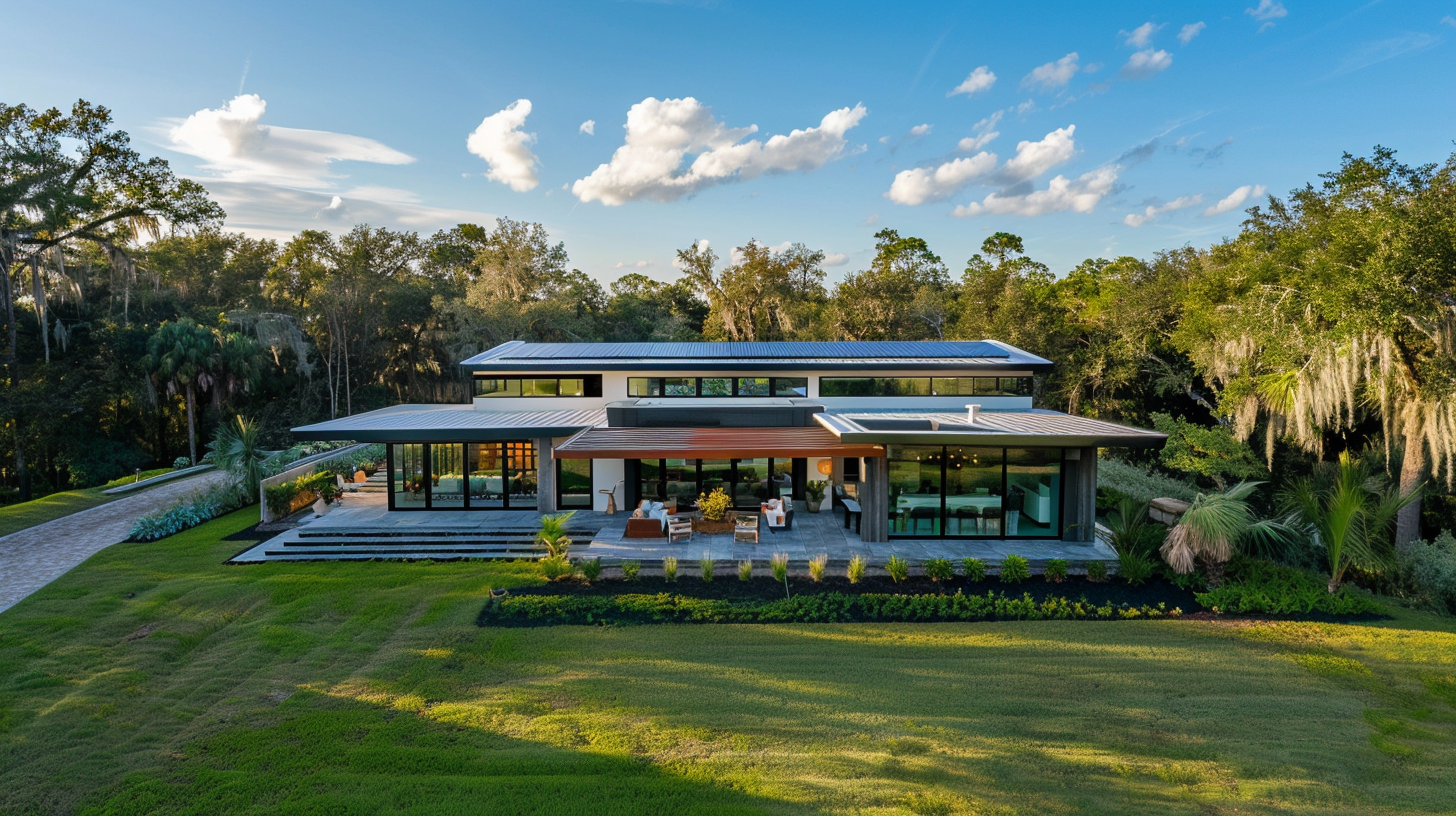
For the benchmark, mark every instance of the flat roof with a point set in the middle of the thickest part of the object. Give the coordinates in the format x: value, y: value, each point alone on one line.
x: 518, y: 355
x: 1031, y: 427
x: 451, y: 422
x: 709, y: 443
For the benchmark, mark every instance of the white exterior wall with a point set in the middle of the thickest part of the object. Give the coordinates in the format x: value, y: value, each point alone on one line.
x: 614, y: 389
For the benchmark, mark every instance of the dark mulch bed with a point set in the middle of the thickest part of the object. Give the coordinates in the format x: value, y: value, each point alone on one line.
x: 254, y: 534
x: 764, y: 588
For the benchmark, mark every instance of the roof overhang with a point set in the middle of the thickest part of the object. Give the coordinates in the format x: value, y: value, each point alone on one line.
x: 451, y: 423
x: 1012, y: 429
x: 711, y: 443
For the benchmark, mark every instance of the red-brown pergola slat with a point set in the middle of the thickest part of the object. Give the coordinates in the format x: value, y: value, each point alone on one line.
x: 710, y: 443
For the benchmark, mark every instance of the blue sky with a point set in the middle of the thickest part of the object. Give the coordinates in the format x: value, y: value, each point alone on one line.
x: 1091, y: 129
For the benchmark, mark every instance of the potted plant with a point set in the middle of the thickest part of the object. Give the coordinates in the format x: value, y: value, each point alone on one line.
x: 814, y: 494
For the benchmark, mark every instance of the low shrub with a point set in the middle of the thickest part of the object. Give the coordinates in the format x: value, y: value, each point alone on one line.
x: 136, y: 477
x: 1015, y: 569
x: 669, y: 569
x: 706, y: 565
x: 855, y: 572
x: 1139, y: 483
x: 831, y: 607
x: 1134, y: 567
x: 1055, y: 570
x: 745, y: 569
x: 630, y: 569
x: 817, y: 565
x: 939, y: 569
x: 974, y: 569
x: 188, y: 512
x: 779, y: 563
x: 591, y: 568
x: 556, y: 567
x: 1430, y: 569
x: 181, y: 462
x: 1265, y: 588
x: 898, y: 568
x: 1096, y: 571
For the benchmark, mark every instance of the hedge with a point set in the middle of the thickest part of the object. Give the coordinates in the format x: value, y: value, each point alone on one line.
x: 532, y: 610
x: 1264, y: 588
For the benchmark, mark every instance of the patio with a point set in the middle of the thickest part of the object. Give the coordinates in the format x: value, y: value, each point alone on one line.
x: 363, y: 528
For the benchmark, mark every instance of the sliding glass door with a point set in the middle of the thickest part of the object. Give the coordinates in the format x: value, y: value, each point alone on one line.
x: 749, y: 482
x: 463, y: 476
x: 966, y: 492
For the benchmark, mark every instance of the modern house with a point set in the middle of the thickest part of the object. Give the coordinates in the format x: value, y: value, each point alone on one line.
x: 932, y: 439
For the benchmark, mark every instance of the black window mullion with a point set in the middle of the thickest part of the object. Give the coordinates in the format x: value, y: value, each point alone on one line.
x: 943, y: 526
x: 1005, y: 495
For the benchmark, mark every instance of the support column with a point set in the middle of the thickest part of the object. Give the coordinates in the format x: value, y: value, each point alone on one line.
x: 1081, y: 494
x: 545, y: 476
x: 874, y: 488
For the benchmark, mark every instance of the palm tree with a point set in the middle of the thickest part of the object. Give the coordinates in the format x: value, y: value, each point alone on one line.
x: 552, y: 536
x: 185, y: 357
x: 1212, y: 528
x: 237, y: 450
x: 1350, y: 513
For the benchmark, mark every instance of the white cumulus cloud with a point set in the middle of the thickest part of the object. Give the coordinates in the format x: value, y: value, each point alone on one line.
x: 923, y: 184
x: 1052, y: 75
x: 835, y: 259
x: 1154, y: 210
x: 236, y: 146
x: 1141, y: 36
x: 1078, y: 195
x: 663, y: 133
x: 983, y: 133
x: 920, y: 130
x: 976, y: 81
x: 589, y: 127
x: 633, y: 265
x: 1234, y: 200
x: 1146, y: 63
x: 1188, y: 32
x: 506, y: 148
x: 1034, y: 158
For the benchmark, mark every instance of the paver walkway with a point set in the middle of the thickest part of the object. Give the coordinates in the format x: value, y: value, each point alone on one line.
x: 34, y: 557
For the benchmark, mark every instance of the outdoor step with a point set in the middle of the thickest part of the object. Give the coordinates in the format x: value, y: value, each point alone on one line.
x: 400, y: 552
x: 404, y: 532
x: 417, y: 543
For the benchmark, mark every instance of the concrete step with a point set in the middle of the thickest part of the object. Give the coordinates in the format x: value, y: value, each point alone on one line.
x: 515, y: 545
x: 449, y: 551
x: 388, y: 533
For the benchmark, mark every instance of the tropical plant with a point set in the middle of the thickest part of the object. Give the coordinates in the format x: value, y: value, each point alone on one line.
x: 1212, y: 529
x: 745, y: 569
x: 1430, y: 567
x: 669, y: 569
x: 706, y: 565
x: 1055, y: 570
x: 1349, y: 512
x: 1096, y: 571
x: 1015, y: 569
x: 855, y: 572
x: 974, y: 569
x: 237, y: 450
x: 556, y: 567
x: 814, y: 490
x: 185, y: 357
x: 552, y: 535
x: 1130, y: 531
x: 1134, y: 568
x: 817, y: 565
x: 591, y: 568
x: 715, y: 505
x: 898, y: 568
x: 630, y: 569
x: 779, y: 563
x: 939, y: 569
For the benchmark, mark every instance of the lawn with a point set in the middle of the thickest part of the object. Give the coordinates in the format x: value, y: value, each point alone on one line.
x: 17, y: 517
x: 155, y: 680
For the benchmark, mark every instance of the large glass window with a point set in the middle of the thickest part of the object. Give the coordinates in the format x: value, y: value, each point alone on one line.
x: 748, y: 481
x: 716, y: 386
x: 407, y: 476
x: 679, y: 387
x: 581, y: 385
x: 962, y: 491
x: 447, y: 476
x: 791, y: 386
x: 923, y: 386
x: 753, y: 386
x: 487, y: 485
x: 574, y: 484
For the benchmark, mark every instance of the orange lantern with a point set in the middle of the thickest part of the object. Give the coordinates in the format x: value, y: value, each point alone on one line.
x: 826, y: 466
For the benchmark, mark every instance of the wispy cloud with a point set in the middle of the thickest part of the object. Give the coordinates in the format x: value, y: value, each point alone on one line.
x: 1154, y: 210
x: 1188, y: 32
x: 1052, y: 75
x: 1061, y: 195
x: 589, y: 127
x: 1141, y: 36
x: 1234, y: 200
x: 1372, y: 53
x: 1146, y: 63
x: 1267, y: 12
x: 983, y: 133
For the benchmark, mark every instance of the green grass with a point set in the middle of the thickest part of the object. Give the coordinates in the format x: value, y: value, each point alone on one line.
x: 126, y: 480
x: 153, y: 679
x: 17, y: 517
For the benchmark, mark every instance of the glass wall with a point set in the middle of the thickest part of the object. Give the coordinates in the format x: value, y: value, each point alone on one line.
x: 407, y: 476
x: 962, y: 491
x: 464, y: 476
x: 586, y: 385
x: 717, y: 386
x: 748, y: 481
x: 925, y: 386
x: 574, y: 484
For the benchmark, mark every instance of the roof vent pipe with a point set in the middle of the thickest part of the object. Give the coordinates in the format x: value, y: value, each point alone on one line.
x: 972, y: 411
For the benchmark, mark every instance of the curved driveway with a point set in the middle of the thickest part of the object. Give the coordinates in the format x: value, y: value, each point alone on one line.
x: 34, y: 557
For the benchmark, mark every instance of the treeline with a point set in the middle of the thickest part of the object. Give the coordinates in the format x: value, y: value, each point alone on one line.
x: 1327, y: 324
